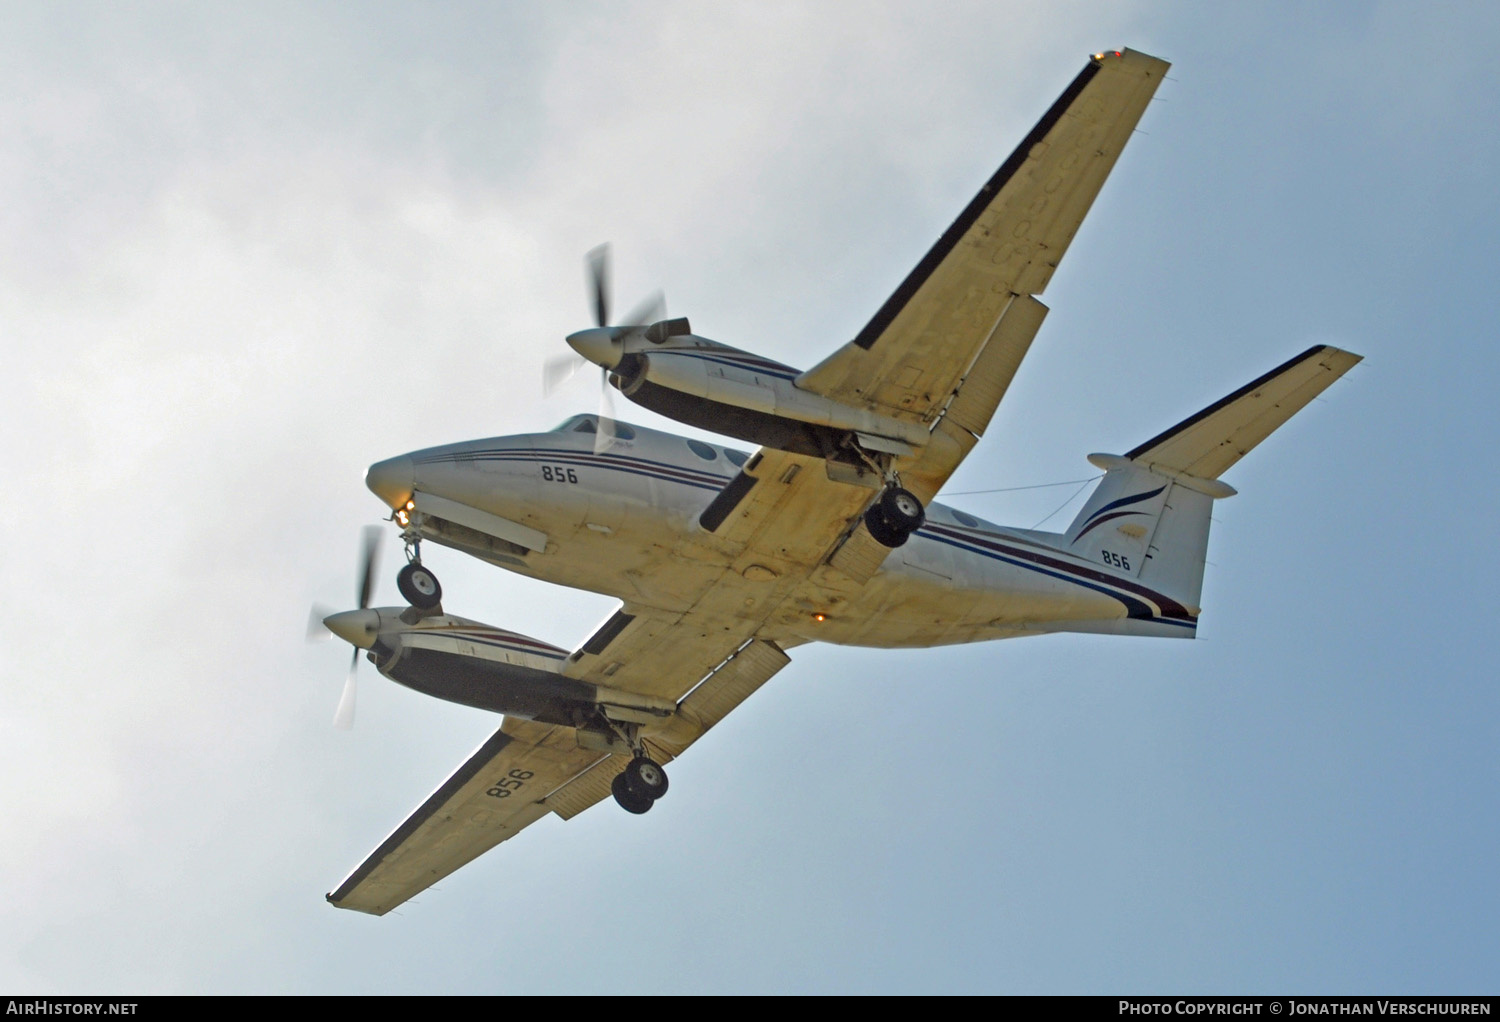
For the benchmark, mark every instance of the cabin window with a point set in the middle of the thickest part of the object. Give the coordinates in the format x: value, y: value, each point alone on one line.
x: 702, y: 450
x: 738, y: 457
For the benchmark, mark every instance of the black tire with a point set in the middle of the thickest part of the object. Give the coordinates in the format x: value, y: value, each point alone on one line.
x: 882, y: 530
x: 902, y: 510
x: 419, y: 586
x: 628, y: 799
x: 646, y: 778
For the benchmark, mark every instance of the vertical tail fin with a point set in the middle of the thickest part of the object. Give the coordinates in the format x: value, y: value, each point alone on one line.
x: 1148, y: 517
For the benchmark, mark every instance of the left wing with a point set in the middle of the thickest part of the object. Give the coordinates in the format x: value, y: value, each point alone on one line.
x: 494, y: 795
x: 526, y: 770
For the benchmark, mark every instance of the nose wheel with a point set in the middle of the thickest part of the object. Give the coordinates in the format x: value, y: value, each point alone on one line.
x: 419, y: 586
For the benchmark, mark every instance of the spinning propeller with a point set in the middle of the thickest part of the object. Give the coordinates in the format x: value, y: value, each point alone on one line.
x: 557, y: 371
x: 347, y: 624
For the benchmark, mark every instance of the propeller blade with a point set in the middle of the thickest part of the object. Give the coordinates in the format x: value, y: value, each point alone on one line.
x: 343, y: 718
x: 604, y: 437
x: 598, y: 260
x: 559, y: 370
x: 370, y: 558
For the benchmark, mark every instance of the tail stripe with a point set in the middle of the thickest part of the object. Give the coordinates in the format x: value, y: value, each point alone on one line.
x: 1167, y: 608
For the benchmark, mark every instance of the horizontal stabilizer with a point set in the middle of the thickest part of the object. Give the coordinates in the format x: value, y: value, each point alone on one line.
x: 1206, y: 444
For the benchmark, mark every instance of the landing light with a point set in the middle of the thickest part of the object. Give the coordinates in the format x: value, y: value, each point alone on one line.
x: 820, y: 618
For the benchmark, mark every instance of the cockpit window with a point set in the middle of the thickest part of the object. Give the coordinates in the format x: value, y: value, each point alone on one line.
x: 576, y: 424
x: 590, y: 424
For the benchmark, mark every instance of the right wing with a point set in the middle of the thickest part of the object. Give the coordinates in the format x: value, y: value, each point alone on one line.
x: 949, y: 312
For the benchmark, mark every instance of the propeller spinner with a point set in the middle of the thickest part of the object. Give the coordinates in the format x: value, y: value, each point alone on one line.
x: 357, y: 627
x: 603, y: 344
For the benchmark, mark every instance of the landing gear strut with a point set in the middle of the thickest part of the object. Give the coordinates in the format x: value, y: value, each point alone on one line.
x: 895, y: 516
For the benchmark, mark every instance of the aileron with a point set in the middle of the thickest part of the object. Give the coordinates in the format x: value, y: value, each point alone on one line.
x: 495, y: 794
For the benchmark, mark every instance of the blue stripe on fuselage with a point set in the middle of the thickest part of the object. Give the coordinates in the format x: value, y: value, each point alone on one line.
x: 749, y: 363
x: 1136, y: 608
x: 614, y: 462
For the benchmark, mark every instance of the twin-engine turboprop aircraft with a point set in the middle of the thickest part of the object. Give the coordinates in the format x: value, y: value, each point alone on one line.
x: 725, y: 560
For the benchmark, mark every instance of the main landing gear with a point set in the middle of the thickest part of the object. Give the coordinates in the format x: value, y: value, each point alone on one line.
x: 895, y: 516
x: 639, y: 785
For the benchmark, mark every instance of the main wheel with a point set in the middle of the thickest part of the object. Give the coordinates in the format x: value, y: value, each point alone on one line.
x: 626, y: 796
x: 902, y: 510
x: 645, y: 777
x: 885, y: 534
x: 419, y: 586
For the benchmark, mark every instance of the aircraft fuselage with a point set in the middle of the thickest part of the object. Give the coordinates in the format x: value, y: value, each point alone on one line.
x: 625, y: 523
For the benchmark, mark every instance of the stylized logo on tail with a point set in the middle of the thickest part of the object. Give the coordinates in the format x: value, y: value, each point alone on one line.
x: 1109, y: 512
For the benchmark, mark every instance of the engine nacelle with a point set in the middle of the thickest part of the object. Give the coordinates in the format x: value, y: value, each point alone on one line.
x: 490, y: 668
x: 733, y: 392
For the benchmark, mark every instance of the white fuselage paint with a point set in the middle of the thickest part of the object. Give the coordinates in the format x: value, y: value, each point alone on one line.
x: 624, y: 523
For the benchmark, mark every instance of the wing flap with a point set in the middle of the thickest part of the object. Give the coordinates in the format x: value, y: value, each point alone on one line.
x: 586, y: 790
x: 986, y: 382
x: 725, y: 687
x: 730, y: 684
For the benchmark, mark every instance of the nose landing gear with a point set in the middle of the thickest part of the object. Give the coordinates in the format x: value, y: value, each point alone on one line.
x: 418, y: 586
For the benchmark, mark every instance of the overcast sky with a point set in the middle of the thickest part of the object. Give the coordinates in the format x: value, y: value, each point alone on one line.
x: 247, y: 250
